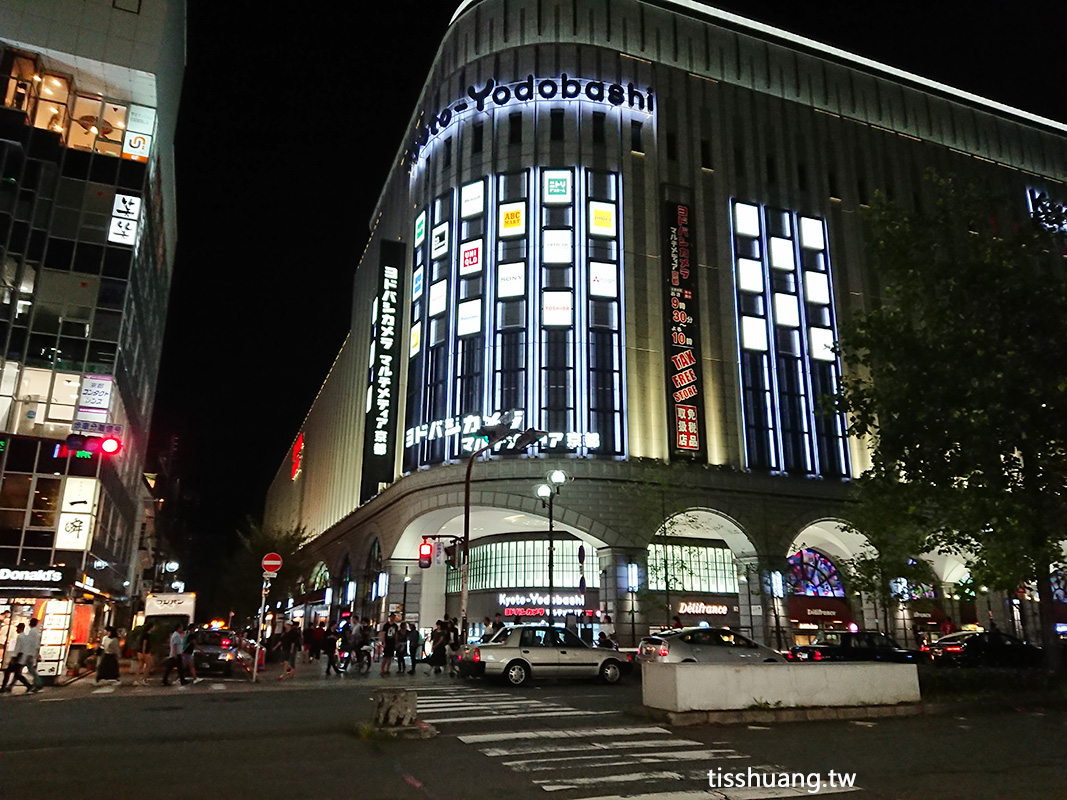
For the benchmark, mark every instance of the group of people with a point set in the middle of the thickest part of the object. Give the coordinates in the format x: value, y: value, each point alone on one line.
x: 24, y: 656
x: 350, y: 646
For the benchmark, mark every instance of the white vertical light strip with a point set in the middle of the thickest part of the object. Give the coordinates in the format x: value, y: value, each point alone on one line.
x: 534, y: 332
x: 580, y: 279
x: 770, y: 362
x: 450, y: 316
x: 490, y: 336
x: 620, y: 320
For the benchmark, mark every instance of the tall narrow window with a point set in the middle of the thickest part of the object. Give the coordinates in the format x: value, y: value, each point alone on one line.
x: 635, y: 137
x: 515, y: 128
x: 598, y: 127
x: 477, y: 135
x: 556, y: 124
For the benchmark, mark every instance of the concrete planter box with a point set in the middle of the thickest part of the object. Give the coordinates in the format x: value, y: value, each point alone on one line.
x: 717, y: 687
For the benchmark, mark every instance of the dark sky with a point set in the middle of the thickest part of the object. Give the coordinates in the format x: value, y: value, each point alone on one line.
x: 288, y: 126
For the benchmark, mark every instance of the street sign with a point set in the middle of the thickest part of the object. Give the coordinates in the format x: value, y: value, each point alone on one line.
x: 272, y: 562
x: 270, y: 575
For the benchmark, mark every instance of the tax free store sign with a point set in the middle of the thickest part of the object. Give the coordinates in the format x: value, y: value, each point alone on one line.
x: 494, y: 94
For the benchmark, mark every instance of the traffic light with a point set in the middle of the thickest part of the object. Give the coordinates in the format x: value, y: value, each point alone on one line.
x: 425, y: 555
x: 452, y: 556
x: 108, y: 445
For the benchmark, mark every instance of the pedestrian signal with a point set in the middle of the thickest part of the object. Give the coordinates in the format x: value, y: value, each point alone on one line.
x: 425, y: 555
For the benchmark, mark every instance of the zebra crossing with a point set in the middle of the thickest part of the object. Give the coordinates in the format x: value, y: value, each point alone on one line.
x: 605, y: 758
x: 442, y: 705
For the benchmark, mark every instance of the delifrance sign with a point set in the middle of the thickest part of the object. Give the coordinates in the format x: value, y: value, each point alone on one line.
x: 382, y: 402
x: 716, y: 609
x: 492, y: 94
x: 683, y: 332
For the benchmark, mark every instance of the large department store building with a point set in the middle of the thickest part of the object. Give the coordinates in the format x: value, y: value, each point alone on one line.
x: 89, y: 93
x: 633, y: 226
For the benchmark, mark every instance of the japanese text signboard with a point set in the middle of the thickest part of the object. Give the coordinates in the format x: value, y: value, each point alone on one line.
x: 685, y: 401
x: 379, y: 435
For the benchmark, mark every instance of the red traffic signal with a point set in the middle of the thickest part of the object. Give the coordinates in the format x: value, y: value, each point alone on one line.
x: 425, y: 555
x: 108, y: 445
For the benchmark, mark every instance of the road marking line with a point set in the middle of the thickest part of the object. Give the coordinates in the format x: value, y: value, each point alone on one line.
x: 468, y: 706
x: 218, y: 687
x: 622, y: 759
x: 575, y: 733
x: 496, y: 752
x: 776, y: 794
x: 484, y: 718
x: 671, y: 795
x: 555, y: 785
x: 104, y: 690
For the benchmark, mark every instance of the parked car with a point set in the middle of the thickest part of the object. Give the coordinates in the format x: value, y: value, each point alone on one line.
x: 705, y: 645
x: 855, y: 646
x: 522, y: 652
x: 216, y: 651
x: 983, y: 649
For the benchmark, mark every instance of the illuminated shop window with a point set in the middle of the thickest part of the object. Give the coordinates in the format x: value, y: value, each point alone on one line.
x: 523, y: 564
x: 703, y: 568
x: 812, y: 574
x: 786, y: 335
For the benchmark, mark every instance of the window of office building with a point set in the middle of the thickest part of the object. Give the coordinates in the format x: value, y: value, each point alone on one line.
x: 523, y: 564
x: 786, y: 334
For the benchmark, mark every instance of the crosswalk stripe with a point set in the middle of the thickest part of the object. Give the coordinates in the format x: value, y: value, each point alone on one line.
x: 574, y: 733
x: 104, y: 690
x: 218, y: 687
x: 777, y: 794
x: 556, y: 785
x: 671, y: 795
x: 563, y: 712
x: 496, y: 752
x: 622, y: 759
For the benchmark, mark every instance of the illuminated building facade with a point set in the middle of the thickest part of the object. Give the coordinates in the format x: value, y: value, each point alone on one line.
x: 88, y: 105
x: 633, y: 226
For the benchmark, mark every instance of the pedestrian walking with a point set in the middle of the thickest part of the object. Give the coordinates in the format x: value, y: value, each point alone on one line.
x: 329, y: 646
x: 144, y: 652
x: 308, y: 631
x: 453, y: 647
x: 107, y: 666
x: 317, y: 635
x: 498, y: 622
x: 365, y: 651
x: 189, y: 654
x: 438, y: 647
x: 290, y: 645
x: 413, y: 646
x: 389, y: 635
x: 174, y: 659
x: 17, y: 662
x: 33, y: 649
x: 345, y: 644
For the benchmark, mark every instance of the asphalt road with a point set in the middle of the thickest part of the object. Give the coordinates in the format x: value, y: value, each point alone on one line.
x: 306, y: 739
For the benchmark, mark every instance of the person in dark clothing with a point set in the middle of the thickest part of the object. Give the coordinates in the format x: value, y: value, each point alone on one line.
x: 401, y: 647
x: 439, y: 647
x: 413, y: 646
x: 390, y: 635
x: 318, y: 633
x: 290, y: 646
x: 329, y: 646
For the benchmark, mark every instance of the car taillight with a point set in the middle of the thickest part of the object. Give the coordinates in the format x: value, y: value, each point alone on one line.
x: 663, y: 650
x: 953, y: 648
x: 816, y: 656
x: 925, y: 648
x: 477, y: 655
x: 225, y: 642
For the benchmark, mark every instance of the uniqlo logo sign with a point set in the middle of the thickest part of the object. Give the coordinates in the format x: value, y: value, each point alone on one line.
x: 470, y: 258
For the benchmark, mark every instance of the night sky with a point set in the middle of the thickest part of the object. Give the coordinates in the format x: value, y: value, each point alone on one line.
x: 288, y: 126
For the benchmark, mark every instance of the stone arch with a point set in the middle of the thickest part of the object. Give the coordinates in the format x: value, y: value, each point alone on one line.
x: 705, y: 523
x: 832, y: 538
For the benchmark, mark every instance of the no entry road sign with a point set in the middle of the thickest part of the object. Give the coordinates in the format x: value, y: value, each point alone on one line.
x: 272, y: 562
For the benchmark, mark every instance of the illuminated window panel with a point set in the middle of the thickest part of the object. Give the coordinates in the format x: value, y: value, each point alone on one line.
x: 781, y: 253
x: 746, y: 220
x: 557, y: 309
x: 557, y: 247
x: 786, y: 310
x: 470, y: 258
x: 821, y: 341
x: 811, y: 234
x: 691, y: 568
x: 603, y: 280
x: 749, y: 275
x: 601, y: 218
x: 512, y: 220
x: 416, y: 340
x: 817, y: 288
x: 754, y: 334
x: 557, y: 187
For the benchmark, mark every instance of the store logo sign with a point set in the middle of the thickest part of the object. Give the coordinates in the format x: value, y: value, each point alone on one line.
x: 703, y: 608
x: 439, y: 241
x: 601, y: 219
x: 557, y: 187
x: 513, y: 219
x: 45, y: 575
x: 420, y: 228
x: 493, y: 94
x: 470, y: 262
x: 472, y: 199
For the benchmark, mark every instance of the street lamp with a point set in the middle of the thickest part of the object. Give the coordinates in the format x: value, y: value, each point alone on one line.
x: 493, y: 434
x: 547, y: 492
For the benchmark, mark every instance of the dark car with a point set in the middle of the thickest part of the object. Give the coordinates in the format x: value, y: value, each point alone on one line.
x: 854, y: 646
x: 983, y: 649
x: 216, y: 651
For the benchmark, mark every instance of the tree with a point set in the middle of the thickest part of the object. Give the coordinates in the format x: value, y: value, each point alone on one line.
x: 246, y: 571
x: 959, y: 382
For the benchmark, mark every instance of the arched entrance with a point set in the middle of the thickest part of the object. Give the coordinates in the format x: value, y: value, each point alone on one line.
x: 813, y: 586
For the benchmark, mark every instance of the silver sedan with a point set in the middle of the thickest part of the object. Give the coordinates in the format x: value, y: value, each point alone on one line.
x: 705, y: 645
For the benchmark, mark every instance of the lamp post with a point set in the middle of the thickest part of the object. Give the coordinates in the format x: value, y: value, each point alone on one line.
x: 493, y: 434
x: 547, y: 492
x: 404, y: 600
